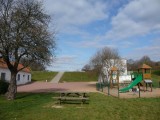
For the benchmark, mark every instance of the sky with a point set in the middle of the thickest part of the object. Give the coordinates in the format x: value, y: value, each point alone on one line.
x: 85, y: 26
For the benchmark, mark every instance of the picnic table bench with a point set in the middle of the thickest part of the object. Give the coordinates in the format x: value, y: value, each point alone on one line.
x: 72, y: 96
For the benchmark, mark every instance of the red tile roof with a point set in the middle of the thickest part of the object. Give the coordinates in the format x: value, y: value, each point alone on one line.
x: 144, y: 66
x: 4, y: 65
x: 114, y: 68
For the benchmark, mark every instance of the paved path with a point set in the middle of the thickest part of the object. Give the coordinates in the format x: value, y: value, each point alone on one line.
x: 36, y: 87
x: 57, y: 77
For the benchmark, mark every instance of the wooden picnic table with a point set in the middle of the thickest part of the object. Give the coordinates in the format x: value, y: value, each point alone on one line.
x: 76, y: 94
x: 72, y: 96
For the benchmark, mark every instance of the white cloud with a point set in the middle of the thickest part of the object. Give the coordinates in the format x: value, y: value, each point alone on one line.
x: 92, y: 44
x: 66, y: 63
x: 139, y: 17
x: 151, y: 50
x: 135, y: 18
x: 78, y: 12
x: 65, y: 59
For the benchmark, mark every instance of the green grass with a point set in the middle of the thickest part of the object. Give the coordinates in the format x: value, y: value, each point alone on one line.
x: 42, y: 75
x: 156, y: 78
x: 156, y: 72
x: 29, y: 106
x: 79, y: 77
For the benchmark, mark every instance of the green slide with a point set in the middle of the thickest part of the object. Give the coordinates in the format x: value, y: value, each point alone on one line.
x: 132, y: 84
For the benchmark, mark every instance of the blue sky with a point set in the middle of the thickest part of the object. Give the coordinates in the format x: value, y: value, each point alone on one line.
x: 85, y: 26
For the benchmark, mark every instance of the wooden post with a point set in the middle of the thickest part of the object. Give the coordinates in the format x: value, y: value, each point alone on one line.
x: 151, y: 87
x: 111, y: 77
x: 139, y: 90
x: 146, y: 86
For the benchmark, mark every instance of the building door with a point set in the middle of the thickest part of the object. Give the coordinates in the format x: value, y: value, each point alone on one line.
x: 3, y: 76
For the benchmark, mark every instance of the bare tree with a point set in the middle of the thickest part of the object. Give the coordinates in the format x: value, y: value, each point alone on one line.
x: 145, y: 60
x: 101, y: 56
x: 133, y: 65
x: 37, y: 66
x: 24, y: 35
x: 86, y: 68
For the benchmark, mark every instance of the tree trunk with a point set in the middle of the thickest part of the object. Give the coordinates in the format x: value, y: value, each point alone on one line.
x: 12, y: 89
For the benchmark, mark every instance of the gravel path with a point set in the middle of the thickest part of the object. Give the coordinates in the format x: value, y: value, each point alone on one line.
x: 57, y: 78
x: 36, y: 87
x: 55, y: 87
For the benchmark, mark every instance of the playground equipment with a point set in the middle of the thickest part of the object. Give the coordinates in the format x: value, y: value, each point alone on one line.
x: 111, y: 80
x: 142, y: 78
x: 113, y: 72
x: 137, y: 80
x: 146, y: 74
x: 114, y: 77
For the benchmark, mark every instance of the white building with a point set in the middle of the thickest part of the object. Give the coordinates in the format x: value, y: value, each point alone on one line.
x: 23, y: 76
x: 121, y: 64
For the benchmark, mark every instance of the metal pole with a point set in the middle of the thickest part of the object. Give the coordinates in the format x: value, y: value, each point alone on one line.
x: 118, y: 82
x: 118, y: 91
x: 108, y: 87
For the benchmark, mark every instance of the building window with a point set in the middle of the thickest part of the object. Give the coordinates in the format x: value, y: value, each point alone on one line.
x: 3, y: 76
x: 18, y: 77
x: 28, y: 77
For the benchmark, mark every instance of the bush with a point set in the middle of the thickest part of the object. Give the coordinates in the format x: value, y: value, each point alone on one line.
x: 3, y: 87
x: 156, y: 72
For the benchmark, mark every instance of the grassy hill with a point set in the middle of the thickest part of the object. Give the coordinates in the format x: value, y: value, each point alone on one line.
x: 42, y: 75
x: 79, y: 77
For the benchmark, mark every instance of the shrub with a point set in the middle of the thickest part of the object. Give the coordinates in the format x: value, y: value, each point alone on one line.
x: 3, y: 86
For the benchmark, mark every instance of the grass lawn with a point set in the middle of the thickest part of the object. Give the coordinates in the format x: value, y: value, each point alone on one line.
x: 79, y: 77
x: 42, y: 75
x: 156, y: 78
x: 39, y: 106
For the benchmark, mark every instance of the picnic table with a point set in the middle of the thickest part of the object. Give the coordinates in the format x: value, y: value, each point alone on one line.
x: 72, y: 96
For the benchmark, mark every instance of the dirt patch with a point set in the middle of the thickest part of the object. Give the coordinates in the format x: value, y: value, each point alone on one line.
x: 57, y: 106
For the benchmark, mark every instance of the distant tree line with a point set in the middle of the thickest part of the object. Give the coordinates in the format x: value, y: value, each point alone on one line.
x: 37, y: 66
x: 97, y: 60
x: 133, y: 64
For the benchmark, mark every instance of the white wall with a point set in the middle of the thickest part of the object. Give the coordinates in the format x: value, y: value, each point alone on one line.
x: 124, y: 78
x: 7, y: 73
x: 23, y: 76
x: 120, y: 64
